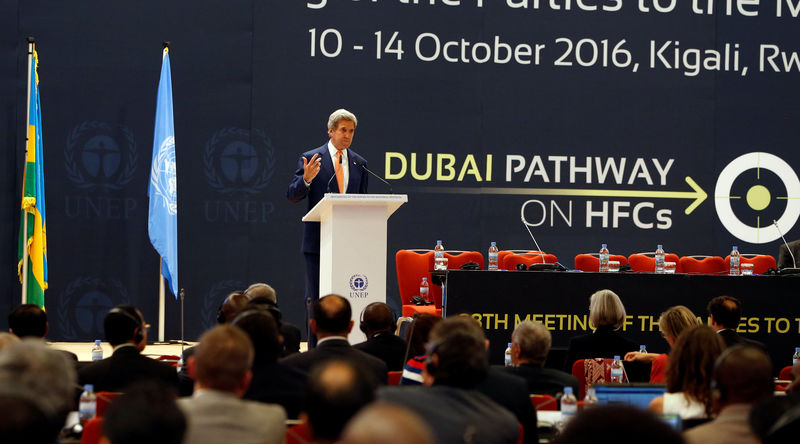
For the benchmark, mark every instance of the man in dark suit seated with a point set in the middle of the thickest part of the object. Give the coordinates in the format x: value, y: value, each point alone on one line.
x: 725, y: 313
x: 272, y: 382
x: 126, y: 331
x: 264, y: 295
x: 146, y: 414
x: 530, y: 344
x: 447, y: 402
x: 331, y: 324
x: 30, y: 321
x: 377, y: 322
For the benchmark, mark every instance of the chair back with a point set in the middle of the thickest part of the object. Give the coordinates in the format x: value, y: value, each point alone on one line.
x: 645, y: 262
x: 412, y: 266
x: 529, y: 259
x: 394, y: 377
x: 786, y: 373
x: 544, y: 402
x: 592, y: 371
x: 591, y: 262
x: 299, y: 434
x: 103, y: 401
x: 703, y: 264
x: 92, y: 431
x: 172, y: 360
x: 503, y: 254
x: 456, y: 259
x: 761, y: 262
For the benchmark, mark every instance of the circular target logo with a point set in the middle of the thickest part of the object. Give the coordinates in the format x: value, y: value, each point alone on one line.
x: 759, y: 197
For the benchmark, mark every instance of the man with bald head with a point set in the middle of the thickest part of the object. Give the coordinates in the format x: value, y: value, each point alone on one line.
x: 742, y: 377
x: 377, y: 322
x: 331, y: 324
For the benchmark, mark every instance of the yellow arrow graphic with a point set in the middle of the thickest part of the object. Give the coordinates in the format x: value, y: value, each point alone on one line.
x: 697, y: 193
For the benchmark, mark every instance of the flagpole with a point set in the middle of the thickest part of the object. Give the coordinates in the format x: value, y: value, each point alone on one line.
x: 161, y: 293
x: 25, y: 254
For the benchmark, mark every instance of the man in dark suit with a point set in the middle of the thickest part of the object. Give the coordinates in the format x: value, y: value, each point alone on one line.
x: 530, y: 344
x: 30, y: 321
x: 725, y: 313
x: 334, y: 164
x: 784, y: 258
x: 448, y: 402
x: 377, y: 322
x: 126, y: 331
x: 272, y: 382
x: 331, y: 324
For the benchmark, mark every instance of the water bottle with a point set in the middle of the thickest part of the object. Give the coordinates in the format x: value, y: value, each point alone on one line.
x: 603, y: 258
x: 796, y: 356
x: 616, y: 370
x: 735, y: 261
x: 438, y: 256
x: 660, y: 259
x: 97, y: 351
x: 569, y: 405
x: 493, y: 256
x: 508, y: 356
x: 642, y: 349
x: 424, y: 290
x: 590, y: 399
x: 87, y: 407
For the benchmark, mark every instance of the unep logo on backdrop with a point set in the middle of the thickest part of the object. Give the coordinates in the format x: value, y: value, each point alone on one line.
x: 759, y: 188
x: 101, y: 155
x: 80, y: 308
x: 239, y: 160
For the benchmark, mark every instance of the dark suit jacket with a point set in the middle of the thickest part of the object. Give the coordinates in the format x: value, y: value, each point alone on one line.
x: 341, y: 349
x: 453, y: 414
x: 281, y: 384
x: 124, y: 367
x: 291, y: 339
x: 542, y: 380
x: 784, y: 258
x: 732, y: 338
x: 511, y: 392
x: 388, y: 347
x: 356, y: 184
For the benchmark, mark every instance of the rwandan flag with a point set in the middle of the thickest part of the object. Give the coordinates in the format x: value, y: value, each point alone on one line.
x: 162, y: 223
x: 33, y: 214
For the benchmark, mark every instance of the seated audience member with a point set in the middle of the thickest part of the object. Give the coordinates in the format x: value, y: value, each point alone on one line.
x: 688, y: 374
x: 457, y: 362
x: 725, y: 313
x: 672, y: 322
x: 37, y: 388
x: 264, y: 295
x: 618, y: 424
x: 7, y: 340
x: 377, y: 322
x: 607, y: 315
x: 216, y: 413
x: 416, y: 337
x: 146, y: 414
x: 742, y: 378
x: 272, y: 382
x: 30, y: 321
x: 337, y: 391
x: 530, y: 344
x: 126, y: 331
x: 331, y: 324
x: 385, y: 423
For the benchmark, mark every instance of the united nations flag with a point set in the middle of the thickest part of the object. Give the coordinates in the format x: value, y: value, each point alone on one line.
x: 163, y: 189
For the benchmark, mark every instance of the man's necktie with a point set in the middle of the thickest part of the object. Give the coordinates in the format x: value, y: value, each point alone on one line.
x: 339, y: 171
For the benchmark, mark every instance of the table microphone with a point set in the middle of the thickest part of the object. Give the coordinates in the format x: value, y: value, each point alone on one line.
x: 363, y: 165
x: 794, y: 269
x: 334, y: 174
x: 544, y: 265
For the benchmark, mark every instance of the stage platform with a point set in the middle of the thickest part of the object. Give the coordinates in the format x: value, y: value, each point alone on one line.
x: 84, y: 349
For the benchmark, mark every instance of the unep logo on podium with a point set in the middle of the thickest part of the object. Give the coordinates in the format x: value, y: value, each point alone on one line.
x: 758, y: 188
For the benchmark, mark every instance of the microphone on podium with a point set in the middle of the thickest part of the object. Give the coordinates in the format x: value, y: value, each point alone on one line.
x: 363, y: 165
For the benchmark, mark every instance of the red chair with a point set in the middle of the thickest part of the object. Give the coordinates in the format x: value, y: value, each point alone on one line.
x: 298, y: 434
x: 455, y: 259
x: 172, y: 360
x: 702, y: 264
x: 786, y: 373
x: 395, y: 377
x: 645, y: 262
x: 598, y: 370
x: 503, y: 254
x: 544, y: 402
x: 92, y: 431
x: 761, y: 262
x: 103, y: 400
x: 412, y: 266
x: 590, y: 261
x: 529, y: 259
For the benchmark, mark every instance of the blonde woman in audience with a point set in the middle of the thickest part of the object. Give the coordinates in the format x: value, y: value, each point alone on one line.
x: 689, y: 373
x: 672, y: 322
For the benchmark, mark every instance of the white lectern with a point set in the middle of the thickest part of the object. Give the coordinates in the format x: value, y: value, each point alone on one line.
x: 352, y: 251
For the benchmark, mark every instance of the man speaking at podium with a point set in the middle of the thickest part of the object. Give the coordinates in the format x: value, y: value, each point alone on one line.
x: 330, y: 168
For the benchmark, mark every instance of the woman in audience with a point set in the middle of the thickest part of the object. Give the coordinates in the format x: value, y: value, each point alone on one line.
x: 689, y: 372
x: 672, y: 322
x: 606, y: 315
x: 416, y: 337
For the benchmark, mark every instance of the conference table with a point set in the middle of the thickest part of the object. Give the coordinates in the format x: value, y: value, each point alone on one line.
x: 560, y: 301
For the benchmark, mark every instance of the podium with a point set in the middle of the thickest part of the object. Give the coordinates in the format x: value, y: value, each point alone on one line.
x: 352, y: 251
